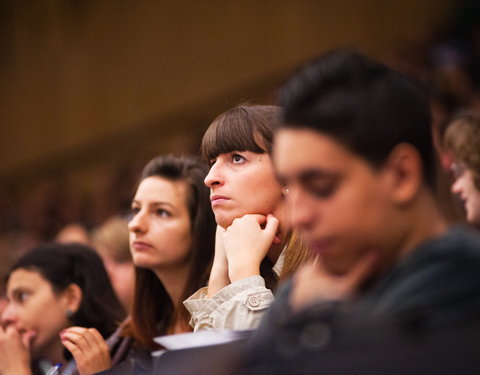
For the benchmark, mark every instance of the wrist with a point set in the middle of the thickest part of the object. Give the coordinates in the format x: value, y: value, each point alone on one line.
x: 243, y: 272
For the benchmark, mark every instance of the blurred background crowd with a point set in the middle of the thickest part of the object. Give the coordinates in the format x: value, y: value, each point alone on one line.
x: 92, y: 89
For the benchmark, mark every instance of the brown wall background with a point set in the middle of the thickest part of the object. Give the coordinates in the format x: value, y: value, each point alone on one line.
x: 88, y: 83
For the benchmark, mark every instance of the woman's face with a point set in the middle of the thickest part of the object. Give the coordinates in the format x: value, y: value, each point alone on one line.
x: 34, y: 307
x: 242, y: 183
x: 160, y: 234
x: 468, y: 193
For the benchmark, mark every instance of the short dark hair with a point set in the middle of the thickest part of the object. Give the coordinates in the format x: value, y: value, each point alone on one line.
x: 74, y: 263
x: 154, y: 317
x: 362, y: 104
x: 242, y: 128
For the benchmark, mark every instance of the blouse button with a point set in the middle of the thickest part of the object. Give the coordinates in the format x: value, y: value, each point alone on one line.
x: 254, y: 301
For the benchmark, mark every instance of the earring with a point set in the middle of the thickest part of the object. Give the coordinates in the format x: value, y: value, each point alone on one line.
x: 70, y: 314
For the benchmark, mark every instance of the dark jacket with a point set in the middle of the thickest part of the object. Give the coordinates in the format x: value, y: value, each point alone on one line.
x: 426, y: 298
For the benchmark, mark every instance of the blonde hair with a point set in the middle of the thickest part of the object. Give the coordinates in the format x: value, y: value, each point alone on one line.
x: 112, y: 237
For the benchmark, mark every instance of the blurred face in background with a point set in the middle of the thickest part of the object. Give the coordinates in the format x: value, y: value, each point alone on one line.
x: 160, y: 234
x: 465, y: 188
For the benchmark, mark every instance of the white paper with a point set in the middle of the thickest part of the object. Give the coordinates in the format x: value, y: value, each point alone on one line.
x: 200, y: 338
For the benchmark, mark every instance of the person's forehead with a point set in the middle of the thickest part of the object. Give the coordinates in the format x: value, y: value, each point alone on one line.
x: 297, y: 149
x: 23, y: 277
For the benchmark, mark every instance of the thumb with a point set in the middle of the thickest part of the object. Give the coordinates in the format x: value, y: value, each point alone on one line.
x: 271, y: 226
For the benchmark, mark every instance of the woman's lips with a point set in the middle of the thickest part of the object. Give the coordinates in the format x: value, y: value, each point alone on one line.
x: 218, y: 199
x: 140, y: 245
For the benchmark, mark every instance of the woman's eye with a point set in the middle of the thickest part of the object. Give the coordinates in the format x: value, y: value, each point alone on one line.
x: 237, y: 158
x: 132, y: 213
x: 163, y: 213
x: 21, y: 297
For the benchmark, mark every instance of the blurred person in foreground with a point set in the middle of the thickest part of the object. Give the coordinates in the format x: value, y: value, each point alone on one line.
x: 462, y: 139
x: 355, y: 157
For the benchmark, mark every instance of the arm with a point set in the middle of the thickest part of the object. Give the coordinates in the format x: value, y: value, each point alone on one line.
x: 238, y: 304
x: 89, y: 349
x: 219, y: 273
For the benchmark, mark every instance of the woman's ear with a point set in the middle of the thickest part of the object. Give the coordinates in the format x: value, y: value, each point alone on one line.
x: 406, y: 173
x: 73, y: 298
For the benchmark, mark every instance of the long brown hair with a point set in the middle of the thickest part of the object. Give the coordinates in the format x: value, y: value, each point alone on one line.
x: 153, y: 310
x: 250, y: 128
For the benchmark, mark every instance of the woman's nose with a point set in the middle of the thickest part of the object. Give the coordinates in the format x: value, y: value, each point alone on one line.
x: 137, y: 223
x: 214, y: 176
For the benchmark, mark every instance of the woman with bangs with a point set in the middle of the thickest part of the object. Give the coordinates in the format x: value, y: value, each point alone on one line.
x: 254, y: 249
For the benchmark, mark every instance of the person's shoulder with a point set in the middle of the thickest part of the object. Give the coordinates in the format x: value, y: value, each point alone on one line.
x: 458, y: 244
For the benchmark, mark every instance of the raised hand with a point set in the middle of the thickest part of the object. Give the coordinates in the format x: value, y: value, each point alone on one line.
x: 15, y: 351
x: 313, y: 282
x: 247, y: 242
x: 88, y: 348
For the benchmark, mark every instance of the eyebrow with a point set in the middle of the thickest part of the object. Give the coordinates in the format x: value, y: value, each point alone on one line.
x: 158, y: 203
x: 317, y: 173
x: 310, y: 173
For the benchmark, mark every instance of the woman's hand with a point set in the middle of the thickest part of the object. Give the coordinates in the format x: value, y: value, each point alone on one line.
x: 88, y: 348
x: 247, y: 242
x: 219, y: 273
x: 15, y: 351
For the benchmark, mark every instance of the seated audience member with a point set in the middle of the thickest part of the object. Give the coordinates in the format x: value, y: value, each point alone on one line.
x: 462, y: 138
x: 73, y: 232
x: 355, y: 156
x: 172, y: 238
x: 50, y: 288
x: 253, y: 248
x: 111, y: 240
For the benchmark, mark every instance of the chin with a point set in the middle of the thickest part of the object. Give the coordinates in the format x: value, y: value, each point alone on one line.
x: 140, y: 261
x: 223, y: 221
